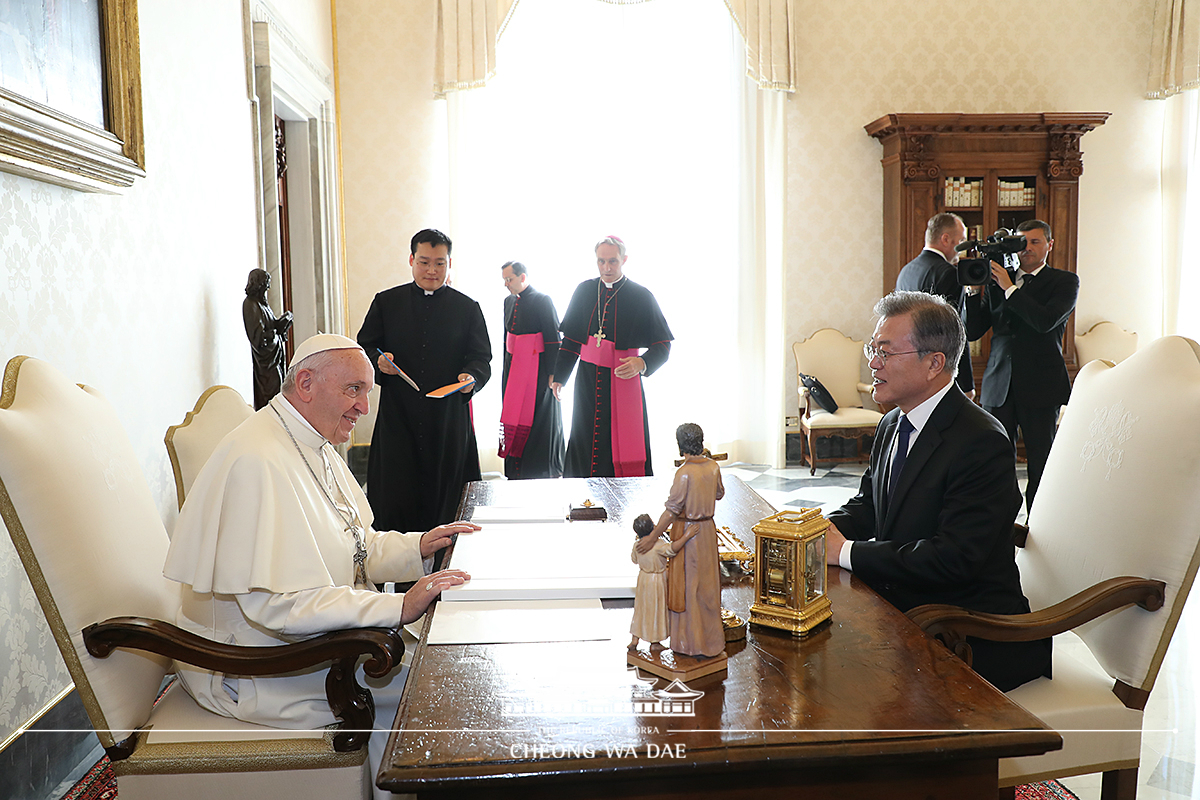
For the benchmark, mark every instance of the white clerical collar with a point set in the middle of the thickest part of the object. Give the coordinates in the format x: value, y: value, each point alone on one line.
x: 921, y: 414
x: 429, y: 292
x: 608, y: 285
x: 291, y: 409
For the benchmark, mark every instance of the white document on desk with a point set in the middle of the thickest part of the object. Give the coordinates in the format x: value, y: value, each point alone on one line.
x: 545, y: 561
x: 483, y: 515
x: 514, y: 621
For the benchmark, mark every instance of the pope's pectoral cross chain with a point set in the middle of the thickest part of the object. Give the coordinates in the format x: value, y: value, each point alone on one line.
x: 348, y: 511
x: 360, y: 555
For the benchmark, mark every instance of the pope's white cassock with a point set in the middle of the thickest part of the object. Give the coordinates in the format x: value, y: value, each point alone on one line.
x: 269, y: 555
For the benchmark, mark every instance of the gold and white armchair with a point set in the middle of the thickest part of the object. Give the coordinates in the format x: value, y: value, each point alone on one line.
x: 189, y: 444
x: 1107, y: 341
x: 82, y: 519
x: 1112, y: 551
x: 836, y: 361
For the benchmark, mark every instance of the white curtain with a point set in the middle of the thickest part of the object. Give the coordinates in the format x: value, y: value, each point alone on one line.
x: 1174, y: 48
x: 1181, y: 215
x: 467, y: 32
x: 689, y: 173
x: 465, y: 48
x: 768, y: 28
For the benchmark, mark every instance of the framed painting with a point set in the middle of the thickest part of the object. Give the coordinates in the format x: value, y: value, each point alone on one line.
x: 71, y: 93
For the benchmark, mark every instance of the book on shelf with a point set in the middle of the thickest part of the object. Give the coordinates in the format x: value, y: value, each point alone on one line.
x: 1016, y: 194
x: 962, y: 192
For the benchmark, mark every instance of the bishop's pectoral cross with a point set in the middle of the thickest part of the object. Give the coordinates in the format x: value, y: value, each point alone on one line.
x: 599, y: 336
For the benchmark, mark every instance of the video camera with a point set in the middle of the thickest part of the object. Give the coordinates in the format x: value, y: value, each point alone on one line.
x: 1000, y: 247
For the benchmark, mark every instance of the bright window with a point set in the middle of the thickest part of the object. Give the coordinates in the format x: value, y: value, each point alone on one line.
x: 620, y: 119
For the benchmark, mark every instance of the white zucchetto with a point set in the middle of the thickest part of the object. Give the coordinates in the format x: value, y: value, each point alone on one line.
x: 320, y: 343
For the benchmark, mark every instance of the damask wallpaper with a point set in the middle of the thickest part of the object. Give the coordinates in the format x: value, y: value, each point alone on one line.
x: 138, y: 295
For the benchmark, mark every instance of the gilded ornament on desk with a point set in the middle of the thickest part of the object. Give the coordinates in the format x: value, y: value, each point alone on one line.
x: 731, y: 548
x: 735, y: 626
x: 790, y: 576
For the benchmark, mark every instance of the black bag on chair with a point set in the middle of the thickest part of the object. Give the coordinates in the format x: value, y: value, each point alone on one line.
x: 819, y: 393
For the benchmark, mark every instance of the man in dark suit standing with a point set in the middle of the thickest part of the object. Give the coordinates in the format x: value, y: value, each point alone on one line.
x: 1026, y: 379
x: 932, y: 520
x: 933, y: 272
x: 423, y: 449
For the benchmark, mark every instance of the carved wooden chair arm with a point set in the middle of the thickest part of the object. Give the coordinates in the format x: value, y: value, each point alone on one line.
x: 350, y: 703
x: 951, y: 625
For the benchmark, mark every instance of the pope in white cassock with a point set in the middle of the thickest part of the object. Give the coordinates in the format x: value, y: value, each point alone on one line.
x: 275, y: 541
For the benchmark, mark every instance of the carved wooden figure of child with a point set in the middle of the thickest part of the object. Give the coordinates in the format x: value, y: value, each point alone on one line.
x: 650, y: 595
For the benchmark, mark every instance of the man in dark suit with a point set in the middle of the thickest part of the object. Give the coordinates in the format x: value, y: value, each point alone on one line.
x: 932, y: 521
x: 1026, y: 379
x: 933, y: 272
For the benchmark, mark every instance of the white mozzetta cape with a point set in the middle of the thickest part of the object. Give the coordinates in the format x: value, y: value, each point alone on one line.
x: 270, y: 560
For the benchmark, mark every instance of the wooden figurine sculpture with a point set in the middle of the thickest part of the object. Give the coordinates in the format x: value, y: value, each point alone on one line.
x: 650, y: 595
x: 268, y: 336
x: 693, y: 575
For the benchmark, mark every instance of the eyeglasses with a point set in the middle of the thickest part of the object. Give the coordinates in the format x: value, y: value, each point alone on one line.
x: 872, y: 352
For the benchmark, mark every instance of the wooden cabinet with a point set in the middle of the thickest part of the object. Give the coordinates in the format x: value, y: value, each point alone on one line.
x: 1040, y: 151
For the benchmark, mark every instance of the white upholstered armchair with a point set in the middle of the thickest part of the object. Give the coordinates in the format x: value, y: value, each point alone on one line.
x: 82, y: 519
x: 1107, y: 341
x: 836, y: 361
x: 1112, y: 551
x: 189, y: 444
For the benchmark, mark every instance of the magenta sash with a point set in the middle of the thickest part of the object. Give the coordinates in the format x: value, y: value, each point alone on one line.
x: 628, y: 423
x: 520, y: 393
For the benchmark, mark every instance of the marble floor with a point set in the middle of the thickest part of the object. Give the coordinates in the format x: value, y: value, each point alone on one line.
x: 1170, y: 750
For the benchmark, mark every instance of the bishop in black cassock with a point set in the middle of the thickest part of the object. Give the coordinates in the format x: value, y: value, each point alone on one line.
x: 613, y: 309
x: 423, y: 449
x: 529, y: 312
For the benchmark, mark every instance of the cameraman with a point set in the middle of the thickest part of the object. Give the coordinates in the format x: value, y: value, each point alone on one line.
x: 933, y: 272
x: 1026, y: 379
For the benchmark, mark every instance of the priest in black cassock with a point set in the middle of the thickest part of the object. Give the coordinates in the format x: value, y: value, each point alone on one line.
x: 617, y: 332
x: 531, y: 435
x: 423, y: 449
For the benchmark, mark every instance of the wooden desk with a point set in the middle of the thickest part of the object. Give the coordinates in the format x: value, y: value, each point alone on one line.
x: 866, y: 706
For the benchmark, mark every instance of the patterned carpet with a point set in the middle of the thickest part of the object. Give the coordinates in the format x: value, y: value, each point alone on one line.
x: 1048, y: 790
x: 98, y: 784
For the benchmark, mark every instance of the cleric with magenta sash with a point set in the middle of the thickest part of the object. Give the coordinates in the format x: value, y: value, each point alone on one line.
x: 617, y: 332
x: 531, y: 434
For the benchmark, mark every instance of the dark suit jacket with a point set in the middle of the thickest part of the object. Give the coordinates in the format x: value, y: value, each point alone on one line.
x: 1026, y: 358
x: 931, y: 273
x: 946, y: 535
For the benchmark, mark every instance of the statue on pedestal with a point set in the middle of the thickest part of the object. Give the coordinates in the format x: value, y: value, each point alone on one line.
x: 268, y: 336
x: 693, y: 574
